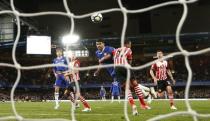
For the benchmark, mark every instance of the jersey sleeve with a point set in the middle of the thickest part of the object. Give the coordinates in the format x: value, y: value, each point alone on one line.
x: 97, y: 54
x: 129, y: 54
x: 77, y: 64
x: 109, y: 50
x: 154, y: 67
x: 113, y: 52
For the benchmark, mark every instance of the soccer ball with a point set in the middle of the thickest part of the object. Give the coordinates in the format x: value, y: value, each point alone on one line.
x: 96, y: 17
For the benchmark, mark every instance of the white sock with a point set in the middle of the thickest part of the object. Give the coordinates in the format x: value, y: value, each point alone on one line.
x: 112, y: 98
x: 144, y: 92
x: 152, y: 90
x: 144, y: 88
x: 56, y: 98
x: 118, y: 98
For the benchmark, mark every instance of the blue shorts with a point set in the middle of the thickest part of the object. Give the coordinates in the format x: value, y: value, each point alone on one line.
x: 102, y: 95
x: 61, y: 82
x: 111, y: 71
x: 115, y: 93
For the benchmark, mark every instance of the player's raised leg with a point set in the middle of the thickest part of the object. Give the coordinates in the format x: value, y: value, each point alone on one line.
x: 139, y: 94
x: 146, y: 91
x: 85, y: 104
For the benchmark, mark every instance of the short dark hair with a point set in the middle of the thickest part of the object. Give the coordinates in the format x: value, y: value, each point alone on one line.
x: 159, y: 51
x: 127, y: 41
x: 100, y: 40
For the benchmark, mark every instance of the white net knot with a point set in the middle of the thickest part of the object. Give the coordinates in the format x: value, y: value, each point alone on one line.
x: 18, y: 66
x: 71, y: 14
x: 128, y: 66
x: 16, y: 12
x: 123, y: 9
x: 185, y: 53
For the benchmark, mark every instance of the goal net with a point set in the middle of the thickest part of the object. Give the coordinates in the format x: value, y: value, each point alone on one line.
x: 184, y: 3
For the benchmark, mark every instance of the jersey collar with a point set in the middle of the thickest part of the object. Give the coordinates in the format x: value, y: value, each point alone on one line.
x: 102, y: 50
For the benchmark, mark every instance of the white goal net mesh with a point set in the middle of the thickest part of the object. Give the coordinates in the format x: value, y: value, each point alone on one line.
x: 125, y: 12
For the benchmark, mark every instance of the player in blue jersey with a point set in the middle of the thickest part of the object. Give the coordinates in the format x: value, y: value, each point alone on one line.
x: 104, y: 55
x: 59, y: 72
x: 102, y: 93
x: 115, y: 90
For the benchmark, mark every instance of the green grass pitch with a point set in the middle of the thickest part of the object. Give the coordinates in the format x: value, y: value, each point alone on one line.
x: 102, y: 111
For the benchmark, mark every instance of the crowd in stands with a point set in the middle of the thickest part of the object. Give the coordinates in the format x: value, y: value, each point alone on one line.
x: 200, y: 66
x: 41, y: 77
x: 28, y: 77
x: 43, y: 95
x: 44, y: 78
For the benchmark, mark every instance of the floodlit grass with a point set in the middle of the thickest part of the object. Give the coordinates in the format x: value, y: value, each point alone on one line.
x: 102, y: 111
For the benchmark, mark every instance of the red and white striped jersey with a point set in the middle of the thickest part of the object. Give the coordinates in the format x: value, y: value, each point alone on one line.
x: 160, y: 69
x: 121, y: 55
x: 75, y: 73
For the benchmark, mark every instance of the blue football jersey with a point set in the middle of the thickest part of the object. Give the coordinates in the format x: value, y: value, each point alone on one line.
x: 101, y: 54
x: 60, y: 60
x: 102, y: 92
x: 115, y: 87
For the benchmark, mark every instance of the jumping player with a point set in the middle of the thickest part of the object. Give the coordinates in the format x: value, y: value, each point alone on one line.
x: 104, y: 55
x: 123, y: 56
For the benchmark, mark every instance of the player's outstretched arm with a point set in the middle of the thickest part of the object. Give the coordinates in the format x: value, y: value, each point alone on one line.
x: 106, y: 57
x: 171, y: 76
x: 153, y: 76
x: 67, y: 73
x: 97, y: 71
x: 54, y: 72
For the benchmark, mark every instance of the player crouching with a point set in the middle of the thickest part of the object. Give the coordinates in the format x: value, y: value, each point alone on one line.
x: 149, y: 93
